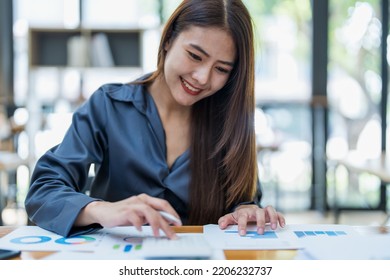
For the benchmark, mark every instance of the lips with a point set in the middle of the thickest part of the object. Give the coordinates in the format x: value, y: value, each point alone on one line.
x: 190, y: 89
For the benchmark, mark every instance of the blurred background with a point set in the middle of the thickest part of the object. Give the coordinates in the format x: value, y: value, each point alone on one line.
x: 321, y: 93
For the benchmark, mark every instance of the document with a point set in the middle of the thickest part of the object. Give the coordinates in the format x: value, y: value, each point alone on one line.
x: 108, y: 243
x: 290, y: 237
x: 349, y: 248
x: 229, y: 239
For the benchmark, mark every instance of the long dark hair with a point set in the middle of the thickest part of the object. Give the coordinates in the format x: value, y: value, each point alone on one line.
x: 223, y: 153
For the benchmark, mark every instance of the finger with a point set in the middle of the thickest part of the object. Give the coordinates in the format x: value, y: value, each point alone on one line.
x: 152, y: 217
x: 157, y: 223
x: 281, y: 219
x: 167, y: 229
x: 136, y: 221
x: 272, y: 216
x: 226, y: 220
x: 223, y: 221
x: 242, y: 221
x: 154, y: 223
x: 260, y: 221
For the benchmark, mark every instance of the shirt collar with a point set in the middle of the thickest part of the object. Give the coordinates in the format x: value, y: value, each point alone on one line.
x: 135, y: 93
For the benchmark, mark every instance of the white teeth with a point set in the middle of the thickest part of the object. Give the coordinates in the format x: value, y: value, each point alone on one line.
x: 187, y: 85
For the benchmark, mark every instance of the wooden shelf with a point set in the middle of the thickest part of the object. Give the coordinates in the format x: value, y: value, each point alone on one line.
x: 49, y: 47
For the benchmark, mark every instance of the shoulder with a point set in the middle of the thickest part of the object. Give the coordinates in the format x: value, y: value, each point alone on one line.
x: 111, y: 94
x: 128, y: 92
x: 105, y: 97
x: 117, y: 91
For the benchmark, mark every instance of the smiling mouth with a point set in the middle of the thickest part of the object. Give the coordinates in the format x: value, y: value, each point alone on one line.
x: 189, y: 88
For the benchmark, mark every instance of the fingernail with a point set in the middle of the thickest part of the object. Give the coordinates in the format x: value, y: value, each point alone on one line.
x: 273, y: 226
x: 242, y: 232
x: 260, y: 231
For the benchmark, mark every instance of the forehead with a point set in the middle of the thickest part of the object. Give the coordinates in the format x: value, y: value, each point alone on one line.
x: 217, y: 42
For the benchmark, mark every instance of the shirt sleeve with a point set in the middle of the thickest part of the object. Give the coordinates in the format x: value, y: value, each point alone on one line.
x: 55, y: 199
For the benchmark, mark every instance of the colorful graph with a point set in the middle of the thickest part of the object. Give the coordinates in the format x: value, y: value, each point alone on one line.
x: 254, y: 234
x: 76, y: 240
x: 36, y: 239
x: 135, y: 244
x: 309, y: 233
x: 109, y: 243
x: 33, y: 239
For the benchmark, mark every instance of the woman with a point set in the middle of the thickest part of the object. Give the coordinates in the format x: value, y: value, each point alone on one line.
x: 180, y: 140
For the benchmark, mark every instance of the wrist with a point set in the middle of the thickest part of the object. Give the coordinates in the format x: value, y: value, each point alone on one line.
x: 89, y: 214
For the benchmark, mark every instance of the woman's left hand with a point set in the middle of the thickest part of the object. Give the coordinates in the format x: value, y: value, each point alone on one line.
x: 252, y: 213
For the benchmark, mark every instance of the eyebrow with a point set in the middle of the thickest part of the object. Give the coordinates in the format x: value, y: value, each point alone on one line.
x: 206, y: 54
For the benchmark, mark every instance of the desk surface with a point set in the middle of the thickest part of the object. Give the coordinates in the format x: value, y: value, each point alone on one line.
x: 229, y: 254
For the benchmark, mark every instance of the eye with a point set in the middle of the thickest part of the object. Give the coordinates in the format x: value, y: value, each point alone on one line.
x: 223, y: 70
x: 194, y: 56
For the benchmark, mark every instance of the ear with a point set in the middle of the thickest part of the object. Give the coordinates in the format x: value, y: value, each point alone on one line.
x: 168, y: 40
x: 167, y: 45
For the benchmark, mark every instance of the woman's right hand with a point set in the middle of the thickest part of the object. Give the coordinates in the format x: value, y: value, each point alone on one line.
x: 133, y: 211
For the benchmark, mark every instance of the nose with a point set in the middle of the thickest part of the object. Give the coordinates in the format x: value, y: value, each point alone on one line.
x: 202, y: 75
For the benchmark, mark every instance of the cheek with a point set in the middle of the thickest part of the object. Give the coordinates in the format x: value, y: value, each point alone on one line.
x: 220, y: 82
x: 174, y: 61
x: 168, y: 63
x: 217, y: 84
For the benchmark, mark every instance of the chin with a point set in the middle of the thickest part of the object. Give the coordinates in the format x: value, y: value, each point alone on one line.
x: 187, y: 103
x: 186, y: 100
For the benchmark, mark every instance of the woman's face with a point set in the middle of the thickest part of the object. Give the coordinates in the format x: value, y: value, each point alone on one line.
x: 198, y: 63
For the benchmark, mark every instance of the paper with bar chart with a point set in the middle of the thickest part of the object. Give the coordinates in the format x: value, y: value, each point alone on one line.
x: 289, y: 237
